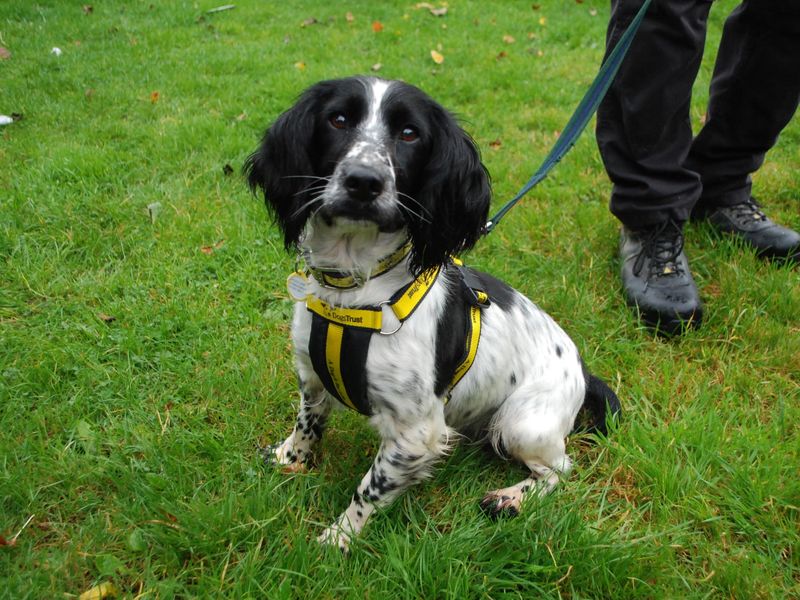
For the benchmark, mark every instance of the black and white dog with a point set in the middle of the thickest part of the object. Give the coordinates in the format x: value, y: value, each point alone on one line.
x: 377, y: 187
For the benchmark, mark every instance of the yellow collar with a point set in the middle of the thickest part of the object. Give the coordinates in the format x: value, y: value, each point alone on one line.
x: 402, y: 304
x: 347, y: 281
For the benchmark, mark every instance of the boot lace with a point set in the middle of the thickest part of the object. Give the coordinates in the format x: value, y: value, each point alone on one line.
x: 662, y: 245
x: 747, y: 212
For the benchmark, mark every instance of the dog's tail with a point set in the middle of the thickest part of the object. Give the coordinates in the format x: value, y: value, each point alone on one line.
x: 601, y: 404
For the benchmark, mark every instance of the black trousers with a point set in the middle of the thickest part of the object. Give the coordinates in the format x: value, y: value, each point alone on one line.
x: 644, y: 133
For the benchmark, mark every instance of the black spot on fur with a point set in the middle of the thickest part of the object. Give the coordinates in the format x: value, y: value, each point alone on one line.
x: 559, y: 351
x: 513, y: 379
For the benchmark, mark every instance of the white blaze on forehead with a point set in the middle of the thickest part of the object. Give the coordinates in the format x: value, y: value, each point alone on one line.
x: 373, y: 132
x: 373, y: 125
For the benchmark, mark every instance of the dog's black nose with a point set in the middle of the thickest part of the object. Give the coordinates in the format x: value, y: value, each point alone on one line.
x: 362, y: 183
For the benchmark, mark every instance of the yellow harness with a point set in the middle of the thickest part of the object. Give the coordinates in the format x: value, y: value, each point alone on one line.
x: 340, y: 336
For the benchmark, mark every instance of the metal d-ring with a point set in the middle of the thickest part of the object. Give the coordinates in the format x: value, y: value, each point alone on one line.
x: 382, y: 332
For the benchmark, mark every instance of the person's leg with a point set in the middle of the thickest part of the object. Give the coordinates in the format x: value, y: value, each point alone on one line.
x: 644, y: 134
x: 755, y: 92
x: 643, y: 127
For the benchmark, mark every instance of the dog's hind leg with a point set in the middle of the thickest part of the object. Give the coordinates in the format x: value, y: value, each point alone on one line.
x: 525, y: 429
x: 296, y: 452
x: 404, y: 459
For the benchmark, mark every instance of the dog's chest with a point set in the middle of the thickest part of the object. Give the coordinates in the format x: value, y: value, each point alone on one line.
x: 366, y: 370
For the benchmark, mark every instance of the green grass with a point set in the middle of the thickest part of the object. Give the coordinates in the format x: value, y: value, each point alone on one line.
x: 131, y: 441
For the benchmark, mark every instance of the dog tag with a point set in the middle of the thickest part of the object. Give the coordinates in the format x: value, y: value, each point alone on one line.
x: 297, y: 285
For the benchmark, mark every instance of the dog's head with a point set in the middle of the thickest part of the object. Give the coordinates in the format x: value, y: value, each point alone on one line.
x: 367, y: 150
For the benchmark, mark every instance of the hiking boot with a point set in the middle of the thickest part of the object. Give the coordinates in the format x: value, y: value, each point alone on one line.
x: 656, y: 278
x: 748, y: 222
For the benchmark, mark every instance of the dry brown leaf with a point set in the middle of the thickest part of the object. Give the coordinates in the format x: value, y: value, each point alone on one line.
x: 106, y: 318
x: 154, y: 96
x: 88, y: 9
x: 300, y: 65
x: 308, y: 22
x: 210, y: 249
x: 495, y: 144
x: 349, y: 17
x: 437, y: 57
x: 502, y: 54
x: 377, y: 67
x: 5, y: 54
x: 377, y: 26
x: 508, y: 39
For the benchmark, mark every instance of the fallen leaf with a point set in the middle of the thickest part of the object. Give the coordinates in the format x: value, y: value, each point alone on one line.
x: 106, y: 318
x: 241, y: 117
x: 136, y: 541
x: 439, y: 12
x: 210, y: 249
x: 308, y: 22
x: 377, y: 67
x: 437, y: 57
x: 88, y: 9
x: 349, y: 17
x: 536, y: 6
x: 5, y: 54
x: 495, y: 144
x: 542, y: 20
x: 377, y: 26
x: 508, y: 39
x: 593, y: 12
x: 5, y: 542
x: 154, y: 96
x: 227, y: 170
x: 502, y: 54
x: 300, y: 65
x: 99, y: 592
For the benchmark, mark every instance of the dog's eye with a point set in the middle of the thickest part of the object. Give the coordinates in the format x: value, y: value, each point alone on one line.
x: 339, y: 121
x: 409, y: 134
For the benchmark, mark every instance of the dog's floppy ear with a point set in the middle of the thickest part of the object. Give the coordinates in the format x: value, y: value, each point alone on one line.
x: 456, y: 195
x: 282, y: 168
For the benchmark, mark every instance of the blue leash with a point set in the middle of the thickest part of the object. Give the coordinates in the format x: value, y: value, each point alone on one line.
x: 580, y: 118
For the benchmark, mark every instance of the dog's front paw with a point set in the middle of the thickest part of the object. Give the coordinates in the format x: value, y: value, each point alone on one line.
x: 335, y: 535
x: 504, y: 502
x: 283, y: 455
